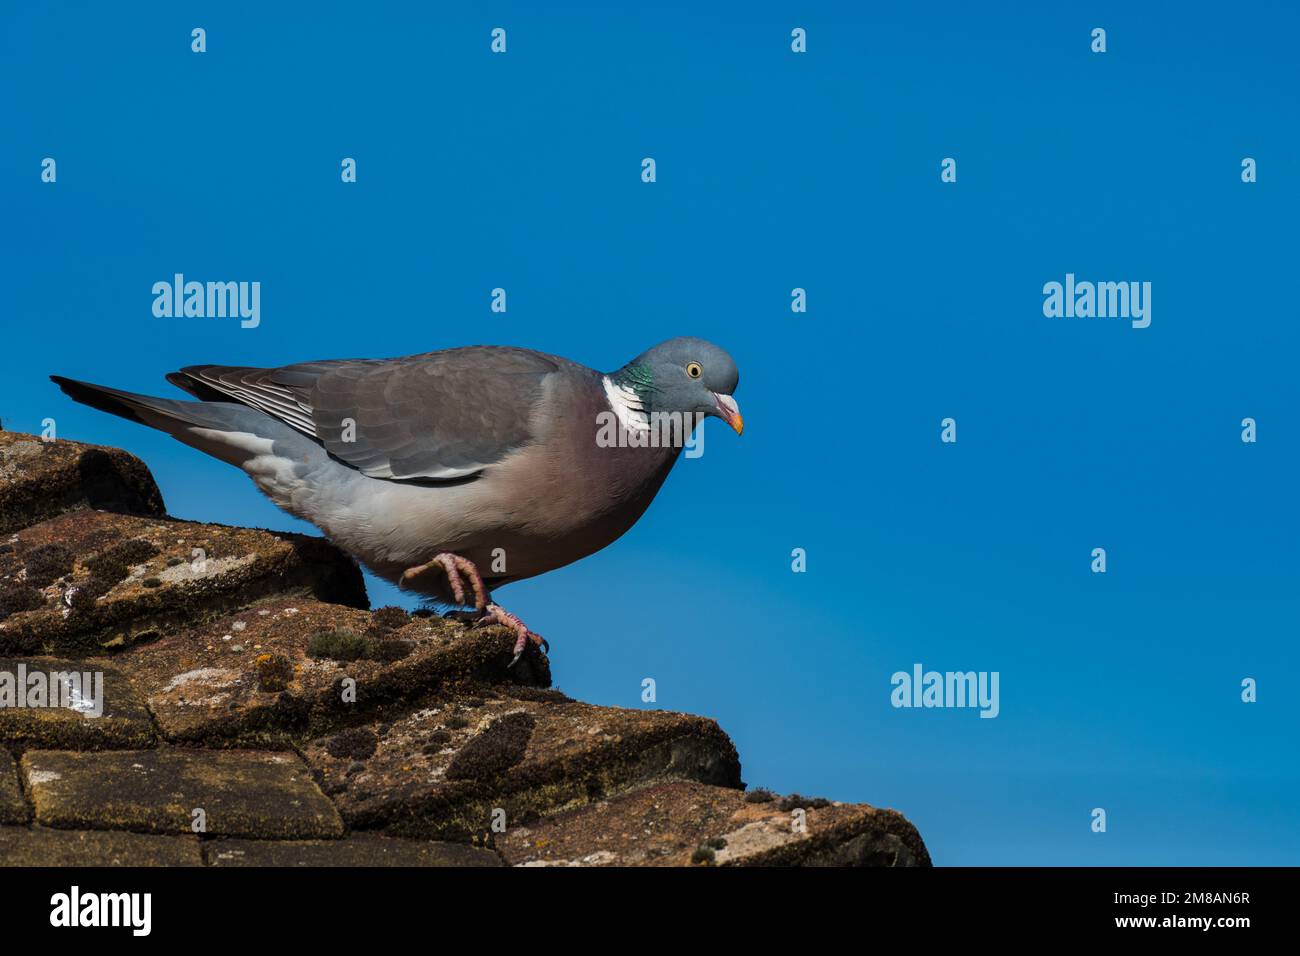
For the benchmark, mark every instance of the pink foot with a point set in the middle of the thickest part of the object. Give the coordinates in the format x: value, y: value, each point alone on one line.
x: 453, y: 565
x: 496, y: 614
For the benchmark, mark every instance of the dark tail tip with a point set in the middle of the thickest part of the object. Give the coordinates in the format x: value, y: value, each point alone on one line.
x: 96, y: 396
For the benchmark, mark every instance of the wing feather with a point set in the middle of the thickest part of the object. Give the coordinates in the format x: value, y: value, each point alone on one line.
x: 437, y: 416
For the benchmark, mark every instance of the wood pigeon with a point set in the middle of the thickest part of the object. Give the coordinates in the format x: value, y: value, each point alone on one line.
x: 484, y: 464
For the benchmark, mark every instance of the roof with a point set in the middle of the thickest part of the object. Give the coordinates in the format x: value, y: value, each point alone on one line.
x: 238, y: 703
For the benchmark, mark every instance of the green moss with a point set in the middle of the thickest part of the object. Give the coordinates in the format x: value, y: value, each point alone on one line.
x: 541, y: 695
x: 274, y: 672
x: 435, y: 742
x: 105, y: 576
x: 17, y: 598
x: 495, y: 750
x: 347, y: 645
x: 82, y: 602
x: 132, y: 552
x: 152, y: 582
x: 114, y: 564
x: 389, y: 650
x: 357, y: 743
x: 390, y: 618
x: 339, y: 645
x: 48, y: 562
x: 798, y: 802
x: 703, y: 856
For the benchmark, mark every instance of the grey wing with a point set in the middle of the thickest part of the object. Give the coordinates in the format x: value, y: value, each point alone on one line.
x: 439, y: 416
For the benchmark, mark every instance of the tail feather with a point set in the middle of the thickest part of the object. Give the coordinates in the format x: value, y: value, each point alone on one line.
x: 96, y: 396
x: 226, y: 430
x: 144, y: 409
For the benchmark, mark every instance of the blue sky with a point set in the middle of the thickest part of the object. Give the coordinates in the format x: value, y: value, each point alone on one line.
x: 775, y: 170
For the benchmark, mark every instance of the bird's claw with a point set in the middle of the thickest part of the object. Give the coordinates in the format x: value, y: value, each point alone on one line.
x: 453, y: 565
x: 496, y: 614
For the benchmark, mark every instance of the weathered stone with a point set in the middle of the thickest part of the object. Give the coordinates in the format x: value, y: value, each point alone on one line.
x: 680, y: 824
x: 574, y: 753
x: 203, y: 685
x: 123, y: 722
x: 171, y: 589
x: 360, y: 850
x: 40, y: 479
x: 38, y: 846
x: 241, y: 793
x: 254, y: 644
x: 13, y: 808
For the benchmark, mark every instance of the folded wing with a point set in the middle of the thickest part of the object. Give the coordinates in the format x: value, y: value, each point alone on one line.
x: 438, y: 416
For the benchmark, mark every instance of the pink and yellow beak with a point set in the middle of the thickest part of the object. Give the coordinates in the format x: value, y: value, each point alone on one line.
x: 729, y: 412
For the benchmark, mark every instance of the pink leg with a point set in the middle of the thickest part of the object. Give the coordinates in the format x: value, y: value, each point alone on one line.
x: 453, y: 565
x: 496, y: 614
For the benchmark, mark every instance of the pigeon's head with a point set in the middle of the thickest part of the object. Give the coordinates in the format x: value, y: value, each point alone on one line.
x: 686, y: 376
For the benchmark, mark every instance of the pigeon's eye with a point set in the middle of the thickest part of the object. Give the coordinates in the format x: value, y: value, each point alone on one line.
x: 694, y: 370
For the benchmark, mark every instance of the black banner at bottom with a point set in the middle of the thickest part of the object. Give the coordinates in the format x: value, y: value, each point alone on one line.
x: 337, y: 905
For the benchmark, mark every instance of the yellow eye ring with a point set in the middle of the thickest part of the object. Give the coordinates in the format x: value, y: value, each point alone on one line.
x: 694, y: 370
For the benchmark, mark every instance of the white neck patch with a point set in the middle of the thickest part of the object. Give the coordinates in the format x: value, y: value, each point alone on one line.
x: 627, y: 405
